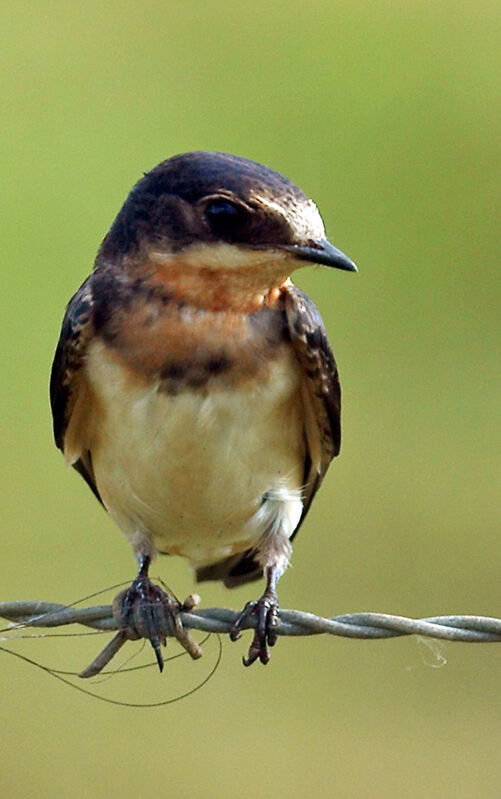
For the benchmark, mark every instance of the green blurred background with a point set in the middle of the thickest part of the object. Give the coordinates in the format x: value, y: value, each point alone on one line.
x: 388, y: 115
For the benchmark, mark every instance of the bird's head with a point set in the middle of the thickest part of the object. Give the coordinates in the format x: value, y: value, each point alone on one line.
x: 225, y: 217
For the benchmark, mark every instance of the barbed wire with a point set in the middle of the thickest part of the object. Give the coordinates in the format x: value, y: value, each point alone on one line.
x: 471, y: 629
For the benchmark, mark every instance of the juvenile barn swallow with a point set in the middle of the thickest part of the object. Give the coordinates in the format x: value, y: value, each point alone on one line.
x: 193, y: 385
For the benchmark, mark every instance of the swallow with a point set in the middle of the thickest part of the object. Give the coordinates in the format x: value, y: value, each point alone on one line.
x: 193, y: 386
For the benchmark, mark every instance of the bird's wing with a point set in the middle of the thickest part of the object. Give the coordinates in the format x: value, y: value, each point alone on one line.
x: 69, y: 391
x: 320, y: 388
x: 322, y: 428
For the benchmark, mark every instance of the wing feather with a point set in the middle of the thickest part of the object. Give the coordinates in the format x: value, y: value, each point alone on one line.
x: 320, y: 387
x: 68, y: 389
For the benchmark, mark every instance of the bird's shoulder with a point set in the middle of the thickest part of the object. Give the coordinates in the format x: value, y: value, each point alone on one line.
x: 320, y: 374
x: 76, y: 332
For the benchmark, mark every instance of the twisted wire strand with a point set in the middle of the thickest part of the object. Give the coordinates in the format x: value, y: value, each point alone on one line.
x: 472, y: 629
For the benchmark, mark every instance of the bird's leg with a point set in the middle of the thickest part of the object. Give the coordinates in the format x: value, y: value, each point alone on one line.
x: 265, y: 611
x: 144, y: 610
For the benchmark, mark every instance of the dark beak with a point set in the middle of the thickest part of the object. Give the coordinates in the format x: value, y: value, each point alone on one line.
x: 322, y: 252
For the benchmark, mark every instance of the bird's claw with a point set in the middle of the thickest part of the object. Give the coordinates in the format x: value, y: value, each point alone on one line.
x: 265, y: 613
x: 144, y: 610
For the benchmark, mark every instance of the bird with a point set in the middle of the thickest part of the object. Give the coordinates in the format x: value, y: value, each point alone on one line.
x: 193, y: 386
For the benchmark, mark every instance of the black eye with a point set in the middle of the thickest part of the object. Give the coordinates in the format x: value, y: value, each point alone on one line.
x: 224, y: 216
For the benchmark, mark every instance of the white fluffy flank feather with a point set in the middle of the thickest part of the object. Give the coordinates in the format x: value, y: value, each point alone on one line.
x: 276, y: 519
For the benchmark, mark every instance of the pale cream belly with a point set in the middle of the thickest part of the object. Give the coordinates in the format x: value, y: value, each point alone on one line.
x: 190, y: 470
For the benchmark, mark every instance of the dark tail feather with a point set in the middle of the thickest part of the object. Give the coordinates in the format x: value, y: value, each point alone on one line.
x: 233, y: 571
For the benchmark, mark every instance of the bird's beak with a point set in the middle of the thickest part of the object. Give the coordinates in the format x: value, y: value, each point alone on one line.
x: 321, y: 252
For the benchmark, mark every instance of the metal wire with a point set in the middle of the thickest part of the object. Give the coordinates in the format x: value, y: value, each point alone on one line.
x: 472, y: 629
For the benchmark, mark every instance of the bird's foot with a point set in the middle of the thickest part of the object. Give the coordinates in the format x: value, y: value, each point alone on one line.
x: 265, y: 613
x: 144, y: 610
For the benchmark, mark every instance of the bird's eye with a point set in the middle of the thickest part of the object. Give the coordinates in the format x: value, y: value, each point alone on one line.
x: 224, y: 216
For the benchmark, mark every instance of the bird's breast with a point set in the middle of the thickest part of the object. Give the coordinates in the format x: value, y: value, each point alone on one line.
x: 185, y: 448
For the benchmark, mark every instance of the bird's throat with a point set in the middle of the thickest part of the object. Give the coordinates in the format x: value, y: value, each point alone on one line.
x: 220, y: 279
